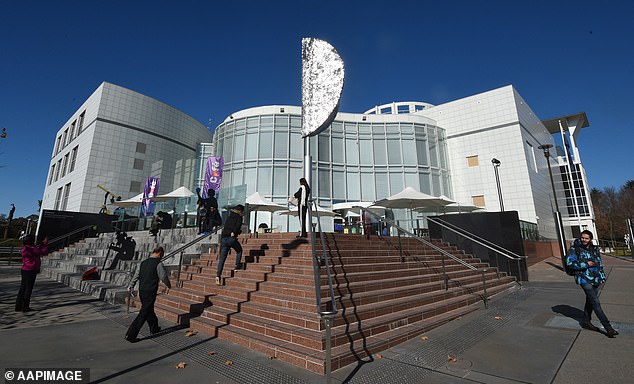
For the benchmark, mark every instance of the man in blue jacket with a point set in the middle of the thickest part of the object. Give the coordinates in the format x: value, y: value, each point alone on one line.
x: 229, y: 239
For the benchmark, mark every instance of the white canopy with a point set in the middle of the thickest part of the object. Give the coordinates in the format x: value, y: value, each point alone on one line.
x: 258, y: 203
x: 178, y: 193
x: 355, y: 207
x: 131, y: 202
x: 411, y: 198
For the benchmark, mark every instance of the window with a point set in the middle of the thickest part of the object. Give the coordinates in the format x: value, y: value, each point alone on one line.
x: 472, y: 161
x: 135, y: 186
x: 64, y: 164
x: 72, y: 131
x: 64, y: 202
x: 73, y: 158
x: 58, y: 145
x: 64, y: 138
x: 58, y: 198
x: 52, y: 174
x: 531, y: 154
x: 138, y: 164
x: 59, y: 167
x: 81, y: 122
x: 141, y: 147
x: 478, y: 201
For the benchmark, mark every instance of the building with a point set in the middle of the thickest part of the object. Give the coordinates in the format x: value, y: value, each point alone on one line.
x: 117, y: 139
x: 444, y: 149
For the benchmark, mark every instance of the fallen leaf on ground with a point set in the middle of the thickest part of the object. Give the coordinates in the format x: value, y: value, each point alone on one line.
x: 271, y: 357
x: 190, y: 333
x: 211, y: 353
x: 378, y: 356
x: 228, y: 362
x: 181, y: 365
x: 451, y: 358
x: 498, y: 317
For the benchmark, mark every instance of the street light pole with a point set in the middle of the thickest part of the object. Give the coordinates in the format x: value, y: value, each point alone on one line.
x: 496, y: 164
x: 557, y: 215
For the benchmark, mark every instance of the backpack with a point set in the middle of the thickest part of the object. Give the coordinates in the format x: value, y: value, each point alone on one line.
x: 569, y: 271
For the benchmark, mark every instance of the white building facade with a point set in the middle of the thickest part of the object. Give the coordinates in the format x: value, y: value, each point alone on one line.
x: 117, y: 139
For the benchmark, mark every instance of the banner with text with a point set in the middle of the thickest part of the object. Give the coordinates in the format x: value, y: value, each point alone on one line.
x: 151, y: 190
x: 213, y: 174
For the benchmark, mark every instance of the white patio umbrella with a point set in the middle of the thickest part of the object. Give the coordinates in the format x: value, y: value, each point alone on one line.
x: 409, y: 198
x: 450, y: 208
x: 178, y: 193
x: 256, y: 202
x: 321, y: 211
x: 131, y: 202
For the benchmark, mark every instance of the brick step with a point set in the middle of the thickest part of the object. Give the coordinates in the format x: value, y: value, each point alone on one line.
x: 372, y: 308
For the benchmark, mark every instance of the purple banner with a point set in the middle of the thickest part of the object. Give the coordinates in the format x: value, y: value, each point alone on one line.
x: 213, y: 174
x: 151, y: 190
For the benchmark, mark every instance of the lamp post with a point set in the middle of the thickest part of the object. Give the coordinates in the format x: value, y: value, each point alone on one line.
x: 557, y: 215
x: 496, y: 164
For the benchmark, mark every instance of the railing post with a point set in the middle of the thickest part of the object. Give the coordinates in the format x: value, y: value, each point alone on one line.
x: 178, y: 274
x: 484, y: 285
x: 328, y: 317
x: 400, y: 246
x: 444, y: 273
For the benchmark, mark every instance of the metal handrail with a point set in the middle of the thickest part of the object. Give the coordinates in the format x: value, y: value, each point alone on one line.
x: 436, y: 248
x: 69, y: 234
x: 182, y: 249
x: 499, y: 250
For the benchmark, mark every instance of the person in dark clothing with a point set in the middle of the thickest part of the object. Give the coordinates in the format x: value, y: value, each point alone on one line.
x: 31, y: 263
x: 125, y: 248
x: 209, y: 216
x: 229, y: 239
x: 585, y: 259
x: 148, y: 275
x: 302, y: 196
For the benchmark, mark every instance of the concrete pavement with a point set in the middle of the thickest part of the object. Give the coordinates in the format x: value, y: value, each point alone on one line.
x: 531, y: 334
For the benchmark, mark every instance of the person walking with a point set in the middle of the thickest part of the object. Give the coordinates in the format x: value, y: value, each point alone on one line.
x: 208, y: 211
x: 229, y: 239
x: 585, y: 259
x: 148, y: 275
x: 31, y: 263
x: 302, y: 196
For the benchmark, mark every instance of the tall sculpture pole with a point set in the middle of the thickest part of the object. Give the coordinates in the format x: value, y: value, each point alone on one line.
x: 322, y: 84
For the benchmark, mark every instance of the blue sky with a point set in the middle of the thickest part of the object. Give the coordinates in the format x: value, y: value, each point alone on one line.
x: 211, y: 58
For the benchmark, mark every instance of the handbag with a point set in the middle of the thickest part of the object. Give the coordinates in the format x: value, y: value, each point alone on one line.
x: 293, y: 200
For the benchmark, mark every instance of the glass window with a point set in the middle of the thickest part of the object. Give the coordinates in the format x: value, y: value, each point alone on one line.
x: 338, y: 185
x: 433, y: 147
x: 138, y: 164
x: 425, y: 183
x: 52, y: 174
x: 394, y: 151
x: 297, y: 146
x: 365, y: 151
x: 295, y: 175
x: 336, y: 127
x: 337, y: 150
x: 58, y: 198
x: 252, y: 122
x: 380, y: 150
x: 141, y: 147
x: 367, y: 186
x: 266, y: 145
x: 421, y: 151
x: 392, y: 128
x: 264, y: 180
x: 442, y: 149
x: 478, y: 201
x: 59, y: 169
x: 324, y: 183
x: 324, y: 148
x: 396, y: 183
x: 64, y: 164
x: 64, y: 137
x: 378, y: 130
x: 266, y: 122
x: 250, y: 177
x: 251, y: 146
x: 365, y: 128
x: 281, y: 144
x: 71, y: 136
x: 238, y: 153
x: 280, y: 181
x: 473, y: 161
x: 135, y: 186
x: 65, y: 198
x: 409, y: 151
x: 228, y: 149
x: 281, y: 121
x: 81, y: 122
x: 445, y: 184
x: 352, y: 152
x: 58, y: 145
x: 435, y: 182
x: 354, y: 190
x: 236, y: 177
x: 382, y: 186
x: 411, y: 180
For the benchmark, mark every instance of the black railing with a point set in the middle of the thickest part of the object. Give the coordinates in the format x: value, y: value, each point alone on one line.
x: 71, y: 237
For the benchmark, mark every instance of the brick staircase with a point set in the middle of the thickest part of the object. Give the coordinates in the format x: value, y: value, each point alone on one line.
x: 270, y: 305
